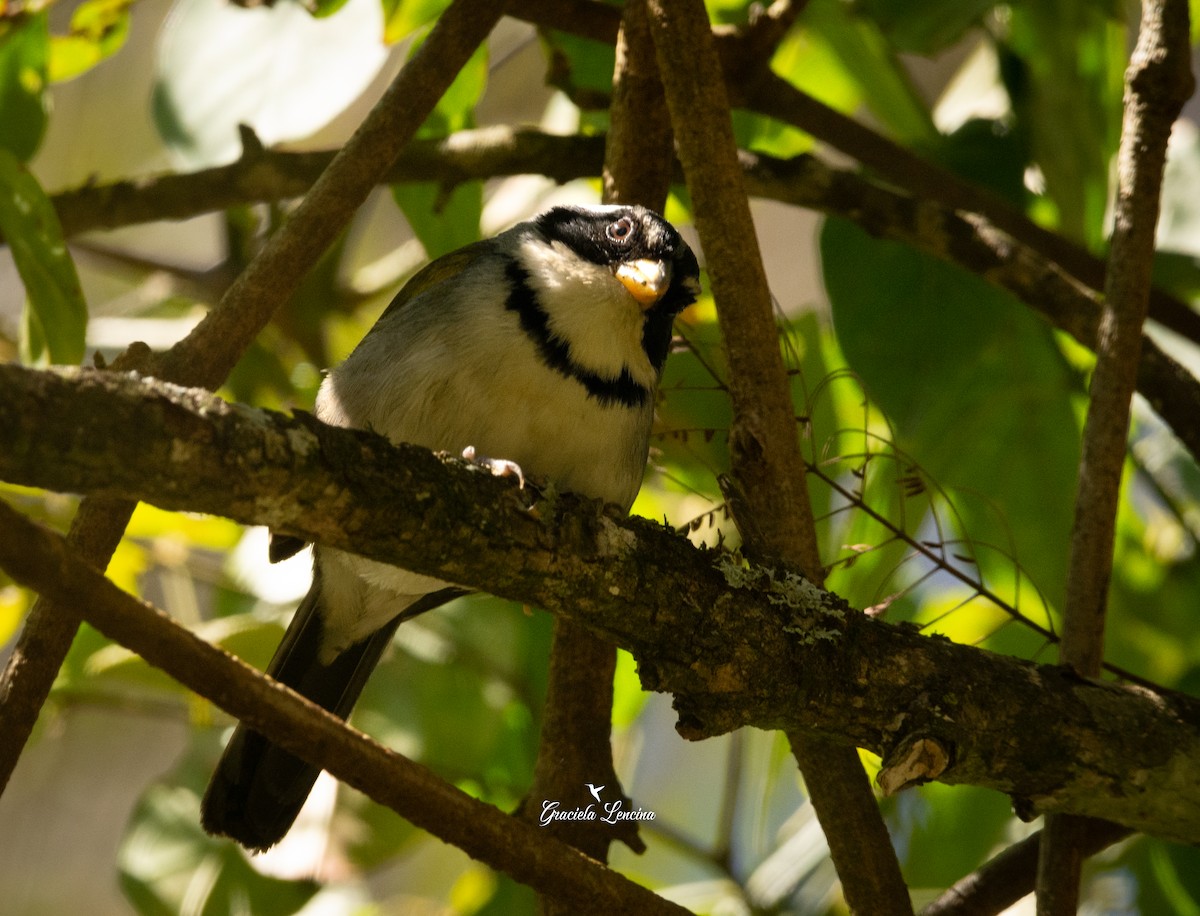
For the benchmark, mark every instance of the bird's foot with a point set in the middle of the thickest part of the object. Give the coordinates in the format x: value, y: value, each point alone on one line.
x: 499, y: 467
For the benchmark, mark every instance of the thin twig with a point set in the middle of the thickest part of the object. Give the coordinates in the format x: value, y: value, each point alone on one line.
x: 1007, y: 877
x: 1157, y: 83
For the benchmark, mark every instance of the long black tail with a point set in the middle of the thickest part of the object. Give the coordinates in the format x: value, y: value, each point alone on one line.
x: 259, y: 788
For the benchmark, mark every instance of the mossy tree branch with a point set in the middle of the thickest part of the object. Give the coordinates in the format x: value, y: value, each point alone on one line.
x: 735, y: 646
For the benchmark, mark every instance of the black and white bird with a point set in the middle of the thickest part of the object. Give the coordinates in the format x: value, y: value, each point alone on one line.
x: 543, y: 346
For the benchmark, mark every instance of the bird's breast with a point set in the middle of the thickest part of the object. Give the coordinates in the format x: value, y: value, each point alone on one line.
x: 489, y: 387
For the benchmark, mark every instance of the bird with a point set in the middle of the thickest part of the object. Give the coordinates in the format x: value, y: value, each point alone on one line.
x: 541, y: 347
x: 595, y: 790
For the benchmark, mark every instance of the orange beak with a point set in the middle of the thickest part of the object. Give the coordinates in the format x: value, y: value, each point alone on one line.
x: 646, y: 280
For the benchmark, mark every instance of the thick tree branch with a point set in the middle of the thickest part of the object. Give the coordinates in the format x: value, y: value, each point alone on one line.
x: 263, y: 175
x: 771, y: 507
x: 43, y: 561
x: 1157, y: 83
x: 736, y: 646
x: 45, y: 639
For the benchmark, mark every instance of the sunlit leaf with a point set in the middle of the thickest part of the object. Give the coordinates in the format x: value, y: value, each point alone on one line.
x: 866, y: 57
x: 24, y: 51
x: 443, y: 222
x: 55, y: 312
x: 98, y: 30
x: 322, y: 9
x: 196, y: 530
x: 403, y: 17
x: 976, y: 388
x: 805, y: 59
x: 628, y: 697
x: 273, y: 68
x: 14, y: 603
x: 728, y: 12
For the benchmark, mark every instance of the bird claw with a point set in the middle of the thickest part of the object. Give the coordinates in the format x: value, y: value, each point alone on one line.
x: 500, y: 467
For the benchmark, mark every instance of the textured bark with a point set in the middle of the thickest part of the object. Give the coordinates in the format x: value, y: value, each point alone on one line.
x: 1157, y: 83
x: 772, y: 510
x: 43, y: 560
x: 736, y: 645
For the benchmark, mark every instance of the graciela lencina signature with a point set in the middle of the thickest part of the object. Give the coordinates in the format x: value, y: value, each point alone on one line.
x: 604, y: 812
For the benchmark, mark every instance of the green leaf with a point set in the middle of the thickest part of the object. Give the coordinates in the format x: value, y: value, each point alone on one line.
x: 168, y: 865
x: 55, y: 311
x: 1178, y: 272
x: 870, y: 62
x: 442, y: 221
x: 98, y: 30
x: 927, y: 27
x: 323, y: 9
x: 457, y: 694
x: 1065, y: 73
x: 24, y: 51
x: 445, y: 220
x: 990, y: 154
x: 509, y: 898
x: 963, y: 823
x: 806, y: 60
x: 403, y: 17
x: 975, y: 386
x: 581, y: 68
x: 455, y: 110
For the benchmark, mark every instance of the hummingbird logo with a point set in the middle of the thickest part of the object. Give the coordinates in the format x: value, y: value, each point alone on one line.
x: 613, y: 811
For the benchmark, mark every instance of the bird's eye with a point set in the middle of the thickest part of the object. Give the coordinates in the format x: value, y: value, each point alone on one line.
x: 621, y: 229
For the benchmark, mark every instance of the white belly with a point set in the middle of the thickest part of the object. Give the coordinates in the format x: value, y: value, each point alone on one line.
x: 448, y: 393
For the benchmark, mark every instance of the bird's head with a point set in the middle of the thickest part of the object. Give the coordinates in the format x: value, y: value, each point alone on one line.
x: 611, y: 270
